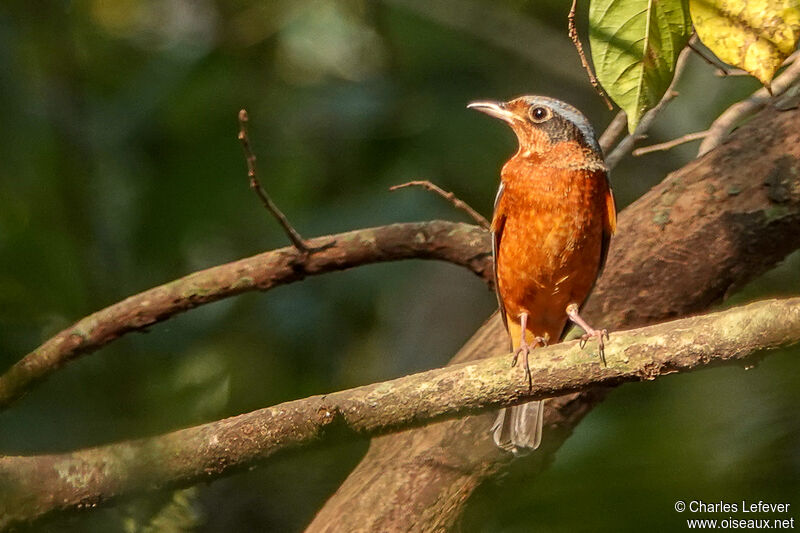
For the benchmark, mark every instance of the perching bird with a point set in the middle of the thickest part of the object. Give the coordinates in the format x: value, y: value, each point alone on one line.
x: 553, y: 218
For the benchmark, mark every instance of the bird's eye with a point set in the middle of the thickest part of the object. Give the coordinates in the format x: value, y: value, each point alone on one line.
x: 540, y: 114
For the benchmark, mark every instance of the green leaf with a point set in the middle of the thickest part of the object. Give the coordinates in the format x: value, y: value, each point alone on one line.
x: 754, y: 35
x: 635, y: 45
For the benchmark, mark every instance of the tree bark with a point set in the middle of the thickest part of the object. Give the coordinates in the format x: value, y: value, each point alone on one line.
x: 708, y: 228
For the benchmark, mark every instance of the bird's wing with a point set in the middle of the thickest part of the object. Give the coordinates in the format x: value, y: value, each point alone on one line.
x: 498, y: 223
x: 609, y: 226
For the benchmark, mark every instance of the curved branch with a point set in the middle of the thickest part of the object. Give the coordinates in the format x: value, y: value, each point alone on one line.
x: 461, y: 244
x: 719, y: 129
x: 89, y: 477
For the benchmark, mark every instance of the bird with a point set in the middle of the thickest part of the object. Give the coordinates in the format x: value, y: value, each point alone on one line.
x: 554, y: 215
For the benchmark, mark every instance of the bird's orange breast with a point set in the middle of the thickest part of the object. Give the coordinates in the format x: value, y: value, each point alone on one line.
x: 553, y: 223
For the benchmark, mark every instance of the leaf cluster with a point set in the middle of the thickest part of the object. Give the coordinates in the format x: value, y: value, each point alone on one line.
x: 635, y: 44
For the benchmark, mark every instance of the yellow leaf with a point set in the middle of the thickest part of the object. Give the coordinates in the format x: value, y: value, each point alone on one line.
x: 754, y: 35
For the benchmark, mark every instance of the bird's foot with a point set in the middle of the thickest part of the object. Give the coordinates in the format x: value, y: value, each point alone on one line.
x: 601, y: 345
x: 599, y: 334
x: 524, y: 350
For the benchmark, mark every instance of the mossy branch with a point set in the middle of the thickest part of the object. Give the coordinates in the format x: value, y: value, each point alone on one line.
x: 97, y: 475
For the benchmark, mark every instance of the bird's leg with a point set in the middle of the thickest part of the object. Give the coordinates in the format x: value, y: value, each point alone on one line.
x: 572, y: 313
x: 525, y: 348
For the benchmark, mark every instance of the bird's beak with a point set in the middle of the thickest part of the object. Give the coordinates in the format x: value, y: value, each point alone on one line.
x: 494, y: 109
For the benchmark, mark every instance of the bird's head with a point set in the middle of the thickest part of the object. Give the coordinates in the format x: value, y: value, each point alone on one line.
x: 548, y: 129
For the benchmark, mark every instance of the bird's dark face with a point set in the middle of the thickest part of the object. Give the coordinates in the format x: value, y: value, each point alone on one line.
x: 547, y: 129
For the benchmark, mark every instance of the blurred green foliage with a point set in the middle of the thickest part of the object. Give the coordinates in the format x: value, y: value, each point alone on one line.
x: 120, y: 170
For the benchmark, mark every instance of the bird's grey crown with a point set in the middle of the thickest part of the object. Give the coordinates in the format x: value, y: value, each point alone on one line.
x: 569, y: 113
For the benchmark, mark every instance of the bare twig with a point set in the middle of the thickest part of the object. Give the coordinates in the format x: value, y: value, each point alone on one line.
x: 739, y: 111
x: 791, y: 59
x: 721, y: 69
x: 576, y: 40
x: 206, y: 452
x: 462, y: 244
x: 660, y: 147
x: 449, y: 196
x: 625, y: 146
x: 613, y: 132
x: 250, y: 157
x: 731, y: 73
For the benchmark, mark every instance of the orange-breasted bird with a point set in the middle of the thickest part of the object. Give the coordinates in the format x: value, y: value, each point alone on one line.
x: 554, y: 215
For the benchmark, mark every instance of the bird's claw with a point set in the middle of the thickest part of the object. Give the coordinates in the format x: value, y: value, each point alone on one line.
x: 572, y: 313
x: 525, y: 350
x: 598, y: 334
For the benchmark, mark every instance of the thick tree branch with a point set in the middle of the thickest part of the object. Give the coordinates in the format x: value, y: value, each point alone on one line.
x: 184, y: 457
x: 706, y: 229
x: 461, y: 244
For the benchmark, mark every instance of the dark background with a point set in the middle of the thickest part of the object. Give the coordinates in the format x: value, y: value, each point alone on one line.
x: 120, y: 170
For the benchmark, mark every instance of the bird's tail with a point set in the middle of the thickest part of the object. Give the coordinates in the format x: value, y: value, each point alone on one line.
x: 518, y: 429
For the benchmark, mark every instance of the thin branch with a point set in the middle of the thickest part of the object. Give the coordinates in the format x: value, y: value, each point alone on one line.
x: 721, y: 69
x: 613, y: 132
x: 250, y: 158
x: 449, y: 196
x: 625, y: 146
x: 668, y: 145
x: 212, y: 450
x: 576, y: 40
x: 722, y: 126
x: 791, y: 59
x: 731, y: 73
x: 463, y: 244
